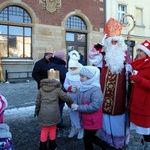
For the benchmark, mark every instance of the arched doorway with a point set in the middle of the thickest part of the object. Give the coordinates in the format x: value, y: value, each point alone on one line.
x: 77, y: 38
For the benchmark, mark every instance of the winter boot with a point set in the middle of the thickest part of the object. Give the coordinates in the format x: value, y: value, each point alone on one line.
x: 102, y: 144
x: 80, y: 133
x: 73, y: 132
x: 43, y: 145
x: 146, y: 145
x: 52, y: 145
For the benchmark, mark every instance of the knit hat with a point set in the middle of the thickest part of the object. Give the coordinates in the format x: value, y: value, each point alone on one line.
x: 88, y: 71
x: 47, y: 53
x: 145, y: 46
x: 59, y: 54
x: 74, y: 59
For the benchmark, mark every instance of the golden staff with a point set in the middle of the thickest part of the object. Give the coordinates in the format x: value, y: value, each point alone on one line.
x: 1, y: 72
x: 127, y: 73
x: 126, y: 25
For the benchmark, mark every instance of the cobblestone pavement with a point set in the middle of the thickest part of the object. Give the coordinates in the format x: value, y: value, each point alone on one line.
x: 24, y: 127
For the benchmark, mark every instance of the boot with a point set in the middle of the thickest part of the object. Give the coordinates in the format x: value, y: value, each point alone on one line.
x: 146, y: 145
x: 102, y: 144
x: 73, y: 132
x: 52, y: 145
x: 43, y: 145
x: 80, y: 133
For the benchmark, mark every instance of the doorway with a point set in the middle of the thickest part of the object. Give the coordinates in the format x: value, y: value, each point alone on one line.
x: 77, y: 41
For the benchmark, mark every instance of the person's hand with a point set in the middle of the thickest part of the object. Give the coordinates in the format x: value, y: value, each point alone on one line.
x: 74, y: 89
x: 136, y: 78
x: 98, y: 46
x: 74, y: 107
x: 128, y: 68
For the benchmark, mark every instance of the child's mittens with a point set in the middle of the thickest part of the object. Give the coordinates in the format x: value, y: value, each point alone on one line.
x: 72, y: 89
x: 74, y: 107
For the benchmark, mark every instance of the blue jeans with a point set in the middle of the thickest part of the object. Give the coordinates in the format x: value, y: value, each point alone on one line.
x: 61, y: 106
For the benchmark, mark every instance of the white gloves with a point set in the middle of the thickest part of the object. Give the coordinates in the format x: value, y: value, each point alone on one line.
x: 128, y: 68
x: 103, y: 40
x: 74, y: 89
x: 74, y: 107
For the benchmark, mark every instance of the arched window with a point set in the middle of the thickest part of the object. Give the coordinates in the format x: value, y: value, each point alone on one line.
x: 75, y: 22
x: 15, y: 33
x: 76, y: 38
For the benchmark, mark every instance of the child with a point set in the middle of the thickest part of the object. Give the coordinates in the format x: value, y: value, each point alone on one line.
x: 71, y: 84
x: 3, y: 106
x: 89, y: 104
x: 5, y: 134
x: 47, y: 110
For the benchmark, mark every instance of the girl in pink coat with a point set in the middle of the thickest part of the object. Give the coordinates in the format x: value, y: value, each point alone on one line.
x: 89, y: 105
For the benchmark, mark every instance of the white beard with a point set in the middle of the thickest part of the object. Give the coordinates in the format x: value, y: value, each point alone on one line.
x: 115, y: 55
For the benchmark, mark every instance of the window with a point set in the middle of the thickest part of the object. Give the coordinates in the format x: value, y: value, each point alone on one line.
x: 75, y: 22
x: 15, y: 40
x: 139, y: 14
x: 76, y: 40
x: 122, y: 9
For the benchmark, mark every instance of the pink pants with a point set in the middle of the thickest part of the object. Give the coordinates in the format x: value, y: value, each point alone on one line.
x: 48, y: 131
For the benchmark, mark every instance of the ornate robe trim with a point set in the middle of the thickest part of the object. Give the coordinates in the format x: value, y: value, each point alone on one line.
x: 110, y: 91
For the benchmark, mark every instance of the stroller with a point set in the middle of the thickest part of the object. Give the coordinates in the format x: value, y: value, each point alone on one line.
x: 5, y: 134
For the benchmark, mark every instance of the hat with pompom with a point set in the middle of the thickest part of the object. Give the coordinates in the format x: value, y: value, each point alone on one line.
x: 59, y: 54
x: 145, y: 46
x: 88, y: 71
x: 74, y: 59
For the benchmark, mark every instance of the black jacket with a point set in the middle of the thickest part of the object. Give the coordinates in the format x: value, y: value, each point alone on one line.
x: 60, y: 65
x: 40, y: 70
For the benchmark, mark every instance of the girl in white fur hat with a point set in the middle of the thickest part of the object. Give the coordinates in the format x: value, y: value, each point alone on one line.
x: 72, y: 84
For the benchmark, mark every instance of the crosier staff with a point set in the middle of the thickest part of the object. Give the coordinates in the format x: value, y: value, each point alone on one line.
x: 127, y: 72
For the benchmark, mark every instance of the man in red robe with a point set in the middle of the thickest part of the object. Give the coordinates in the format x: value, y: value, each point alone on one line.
x: 111, y: 60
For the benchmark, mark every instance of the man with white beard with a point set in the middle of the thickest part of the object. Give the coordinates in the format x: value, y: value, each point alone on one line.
x: 110, y: 57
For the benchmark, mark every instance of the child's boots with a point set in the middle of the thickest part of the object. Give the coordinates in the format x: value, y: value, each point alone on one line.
x: 52, y: 145
x: 73, y: 132
x: 80, y: 133
x: 43, y: 145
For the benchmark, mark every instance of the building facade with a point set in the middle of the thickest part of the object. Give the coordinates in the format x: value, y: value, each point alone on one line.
x: 140, y: 12
x: 28, y: 28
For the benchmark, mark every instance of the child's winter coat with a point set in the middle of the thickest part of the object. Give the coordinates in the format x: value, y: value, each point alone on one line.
x: 47, y: 103
x: 5, y: 137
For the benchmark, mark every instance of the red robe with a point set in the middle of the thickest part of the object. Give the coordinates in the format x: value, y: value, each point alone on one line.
x: 140, y: 95
x: 114, y: 89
